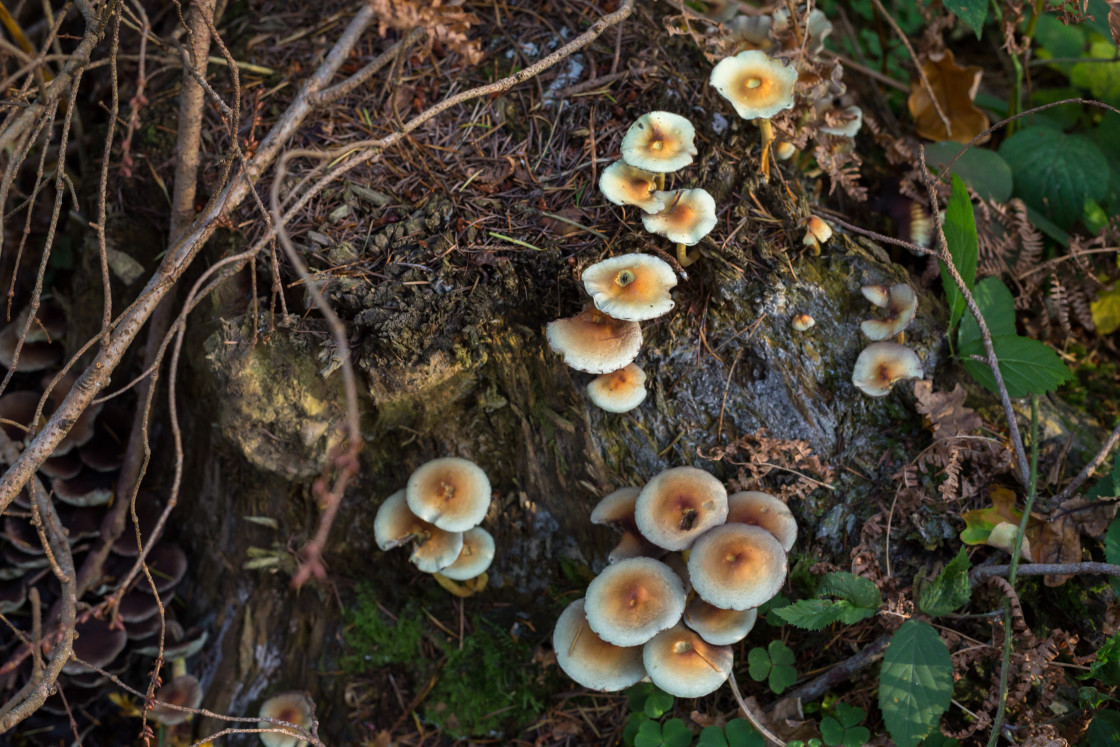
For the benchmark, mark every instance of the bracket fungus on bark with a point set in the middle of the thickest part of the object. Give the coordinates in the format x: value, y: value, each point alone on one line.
x: 737, y: 566
x: 588, y: 659
x: 683, y: 664
x: 633, y: 599
x: 631, y: 287
x: 624, y: 184
x: 901, y: 304
x: 881, y: 364
x: 594, y: 342
x: 659, y: 141
x: 678, y: 505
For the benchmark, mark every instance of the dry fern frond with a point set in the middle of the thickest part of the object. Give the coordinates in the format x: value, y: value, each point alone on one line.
x: 445, y: 23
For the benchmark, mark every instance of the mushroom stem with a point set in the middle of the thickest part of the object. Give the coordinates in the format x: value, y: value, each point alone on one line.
x: 466, y: 589
x: 178, y: 667
x: 660, y: 181
x: 684, y: 258
x: 900, y: 337
x: 767, y: 131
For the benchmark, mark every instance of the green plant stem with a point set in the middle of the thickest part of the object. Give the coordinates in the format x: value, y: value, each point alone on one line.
x: 1016, y: 549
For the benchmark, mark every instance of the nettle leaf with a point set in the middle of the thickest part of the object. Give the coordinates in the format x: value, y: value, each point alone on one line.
x: 1055, y: 173
x: 973, y: 13
x: 1028, y: 366
x: 983, y: 170
x: 915, y: 682
x: 810, y: 614
x: 950, y: 590
x: 960, y: 235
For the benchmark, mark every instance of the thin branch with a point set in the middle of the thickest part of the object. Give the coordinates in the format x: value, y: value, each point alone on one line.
x: 982, y: 573
x: 1089, y: 469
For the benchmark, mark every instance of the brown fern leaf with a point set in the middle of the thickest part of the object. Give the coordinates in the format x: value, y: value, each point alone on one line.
x: 834, y: 155
x: 1060, y: 302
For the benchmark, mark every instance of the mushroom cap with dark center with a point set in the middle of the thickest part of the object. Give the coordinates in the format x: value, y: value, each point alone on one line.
x: 624, y: 184
x: 451, y: 492
x: 474, y: 558
x: 96, y: 645
x: 87, y: 488
x: 617, y: 508
x: 148, y: 511
x: 633, y: 599
x: 902, y: 304
x: 881, y: 364
x: 294, y: 708
x: 618, y: 391
x: 757, y: 85
x: 395, y: 525
x: 678, y: 505
x: 594, y: 342
x: 659, y: 142
x: 631, y: 287
x: 683, y: 664
x: 588, y: 659
x: 766, y: 511
x: 879, y: 294
x: 716, y: 625
x: 183, y: 691
x: 737, y: 566
x: 689, y: 215
x: 168, y: 564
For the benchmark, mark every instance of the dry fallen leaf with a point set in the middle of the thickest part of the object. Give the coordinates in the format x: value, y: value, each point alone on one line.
x: 1114, y: 20
x: 955, y: 87
x: 945, y: 412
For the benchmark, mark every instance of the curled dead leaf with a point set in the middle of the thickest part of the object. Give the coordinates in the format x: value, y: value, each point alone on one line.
x: 955, y: 88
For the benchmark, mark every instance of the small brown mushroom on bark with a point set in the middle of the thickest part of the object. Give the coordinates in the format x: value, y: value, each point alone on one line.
x: 678, y: 505
x: 881, y: 364
x: 452, y: 493
x: 683, y: 664
x: 594, y: 342
x: 737, y: 566
x: 633, y: 599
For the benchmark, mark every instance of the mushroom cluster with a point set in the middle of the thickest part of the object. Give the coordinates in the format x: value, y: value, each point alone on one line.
x: 682, y: 586
x: 881, y: 364
x: 295, y: 708
x: 439, y: 511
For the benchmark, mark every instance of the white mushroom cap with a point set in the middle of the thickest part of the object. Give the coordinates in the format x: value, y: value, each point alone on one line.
x: 633, y: 599
x: 616, y: 508
x: 619, y: 391
x: 683, y: 664
x: 395, y: 524
x: 182, y: 691
x: 633, y: 545
x: 737, y: 566
x: 678, y: 505
x: 818, y: 28
x: 593, y: 342
x: 588, y: 659
x: 802, y: 322
x: 881, y: 364
x: 716, y: 625
x: 766, y: 511
x: 474, y: 558
x: 850, y: 128
x: 294, y: 708
x: 660, y: 142
x: 752, y: 30
x: 631, y: 287
x: 624, y: 184
x: 452, y: 493
x: 756, y: 85
x: 879, y: 294
x: 689, y: 216
x: 902, y: 304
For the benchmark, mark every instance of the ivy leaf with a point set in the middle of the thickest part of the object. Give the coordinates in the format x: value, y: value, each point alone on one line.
x: 960, y: 235
x: 1028, y: 366
x: 971, y: 12
x: 1056, y: 173
x: 915, y: 682
x: 950, y: 590
x: 861, y: 592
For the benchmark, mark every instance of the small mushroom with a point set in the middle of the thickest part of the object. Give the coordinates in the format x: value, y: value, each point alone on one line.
x: 619, y: 391
x: 759, y: 87
x: 881, y: 364
x: 752, y: 32
x: 395, y: 524
x: 41, y: 347
x: 737, y: 566
x: 817, y: 232
x: 659, y: 141
x: 802, y: 322
x: 633, y: 545
x: 690, y: 215
x: 716, y: 625
x: 678, y: 505
x: 294, y: 708
x: 624, y: 184
x: 617, y: 508
x: 96, y: 645
x: 784, y: 150
x: 594, y: 342
x: 878, y: 294
x: 452, y: 493
x: 766, y: 511
x: 901, y: 305
x: 475, y: 557
x: 851, y: 120
x: 631, y: 287
x: 683, y: 664
x: 588, y: 659
x: 183, y: 691
x: 633, y: 599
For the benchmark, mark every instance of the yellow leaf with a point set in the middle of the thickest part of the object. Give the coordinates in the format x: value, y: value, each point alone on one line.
x: 1106, y: 311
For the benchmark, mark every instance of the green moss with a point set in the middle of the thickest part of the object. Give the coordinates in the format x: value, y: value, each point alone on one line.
x: 375, y: 640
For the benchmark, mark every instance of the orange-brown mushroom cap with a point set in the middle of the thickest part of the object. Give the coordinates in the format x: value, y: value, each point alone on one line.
x: 475, y: 557
x: 757, y: 85
x: 737, y: 566
x: 395, y: 524
x: 452, y: 493
x: 624, y: 184
x: 294, y: 708
x: 631, y: 287
x: 619, y: 391
x: 881, y: 364
x: 902, y: 304
x: 633, y: 599
x: 766, y: 511
x: 716, y: 625
x: 683, y: 664
x: 183, y: 691
x: 588, y: 659
x: 678, y: 505
x: 689, y: 215
x: 593, y: 342
x: 660, y: 142
x: 633, y: 545
x: 617, y: 508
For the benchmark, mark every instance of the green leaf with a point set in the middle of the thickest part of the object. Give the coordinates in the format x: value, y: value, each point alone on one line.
x: 861, y: 592
x: 983, y: 170
x: 712, y: 736
x: 810, y: 614
x: 768, y: 610
x: 960, y: 235
x: 742, y: 734
x: 1058, y: 39
x: 1106, y: 667
x: 849, y: 614
x: 1106, y: 310
x: 675, y: 733
x: 831, y: 731
x: 996, y: 305
x: 758, y: 664
x: 1104, y: 729
x: 857, y: 736
x: 1055, y: 173
x: 915, y: 682
x: 633, y: 725
x: 649, y: 735
x: 636, y: 695
x: 1101, y: 78
x: 849, y: 715
x: 782, y: 673
x: 658, y: 703
x: 1112, y: 547
x: 1028, y: 366
x: 972, y: 12
x: 950, y: 590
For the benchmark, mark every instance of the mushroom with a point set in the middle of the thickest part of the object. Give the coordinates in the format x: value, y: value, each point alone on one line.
x: 631, y: 287
x: 683, y: 664
x: 737, y: 566
x: 851, y: 119
x: 817, y: 232
x: 766, y: 511
x: 678, y: 505
x: 475, y: 557
x: 452, y: 493
x: 294, y: 708
x: 816, y: 28
x: 878, y: 294
x: 689, y: 216
x: 802, y: 322
x: 624, y: 184
x: 784, y: 150
x: 750, y: 32
x: 619, y: 391
x: 661, y: 142
x: 588, y: 659
x: 395, y: 524
x: 759, y: 87
x: 594, y: 342
x: 96, y: 645
x: 901, y: 305
x: 617, y: 508
x: 633, y: 545
x: 633, y: 599
x: 40, y: 348
x: 881, y: 364
x: 183, y: 691
x: 716, y: 625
